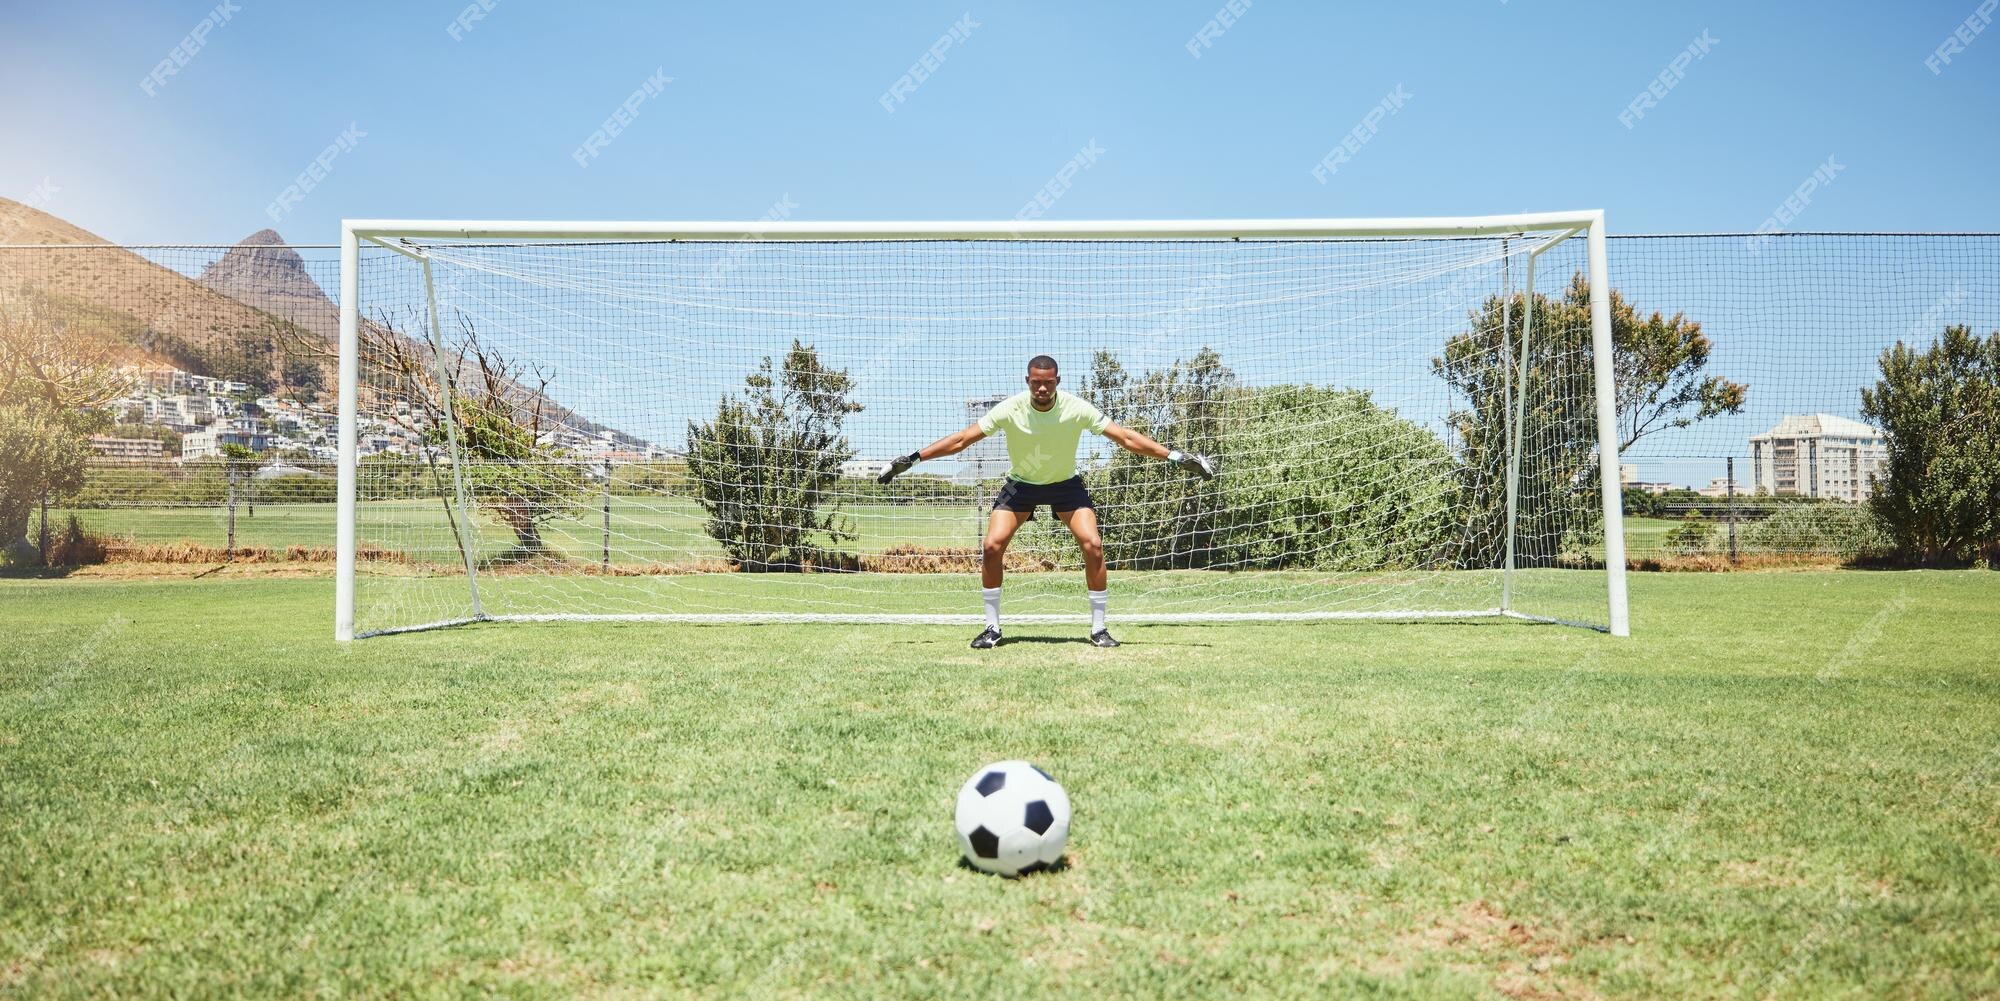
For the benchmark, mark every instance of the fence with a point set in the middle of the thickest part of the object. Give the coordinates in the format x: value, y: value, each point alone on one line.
x: 233, y: 345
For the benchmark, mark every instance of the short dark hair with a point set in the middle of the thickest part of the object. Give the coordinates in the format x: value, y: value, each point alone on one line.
x: 1042, y: 361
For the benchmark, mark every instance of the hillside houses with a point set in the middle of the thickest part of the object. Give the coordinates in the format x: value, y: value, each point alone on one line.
x: 208, y: 413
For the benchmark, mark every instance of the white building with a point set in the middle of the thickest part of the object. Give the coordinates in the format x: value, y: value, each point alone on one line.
x: 986, y: 460
x: 169, y: 412
x: 1629, y: 481
x: 207, y: 443
x: 126, y: 449
x: 1817, y: 455
x: 864, y: 469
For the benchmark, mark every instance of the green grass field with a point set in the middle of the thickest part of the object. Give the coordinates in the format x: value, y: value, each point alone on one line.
x: 1784, y: 785
x: 644, y: 530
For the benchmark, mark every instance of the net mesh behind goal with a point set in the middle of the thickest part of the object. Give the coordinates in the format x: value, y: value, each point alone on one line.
x: 692, y: 428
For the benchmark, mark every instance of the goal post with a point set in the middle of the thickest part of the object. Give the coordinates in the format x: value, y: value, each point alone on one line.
x: 1408, y: 430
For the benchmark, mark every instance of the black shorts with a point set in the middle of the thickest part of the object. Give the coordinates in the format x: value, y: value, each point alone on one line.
x: 1061, y: 496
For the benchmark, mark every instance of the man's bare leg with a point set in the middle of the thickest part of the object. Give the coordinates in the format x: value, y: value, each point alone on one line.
x: 1000, y: 528
x: 1082, y: 523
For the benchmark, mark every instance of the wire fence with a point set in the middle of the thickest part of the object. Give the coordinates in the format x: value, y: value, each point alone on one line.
x: 232, y: 346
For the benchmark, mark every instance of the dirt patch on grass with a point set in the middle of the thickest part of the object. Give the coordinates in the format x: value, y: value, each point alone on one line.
x: 950, y: 559
x: 1522, y: 960
x: 208, y: 571
x: 1721, y: 563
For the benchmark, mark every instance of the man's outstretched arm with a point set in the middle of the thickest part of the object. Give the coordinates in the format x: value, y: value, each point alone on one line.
x: 1139, y: 443
x: 951, y: 444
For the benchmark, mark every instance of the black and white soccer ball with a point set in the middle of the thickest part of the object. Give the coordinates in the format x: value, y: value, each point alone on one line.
x: 1012, y: 819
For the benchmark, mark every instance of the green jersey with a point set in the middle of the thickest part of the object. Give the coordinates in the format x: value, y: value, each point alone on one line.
x: 1041, y: 444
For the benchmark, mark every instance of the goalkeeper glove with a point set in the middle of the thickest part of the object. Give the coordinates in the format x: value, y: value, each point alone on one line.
x: 1200, y: 465
x: 900, y: 466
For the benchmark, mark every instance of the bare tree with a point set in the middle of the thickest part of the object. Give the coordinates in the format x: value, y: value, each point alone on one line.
x: 500, y: 411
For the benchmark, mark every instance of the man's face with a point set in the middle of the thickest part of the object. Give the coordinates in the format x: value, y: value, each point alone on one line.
x: 1042, y: 384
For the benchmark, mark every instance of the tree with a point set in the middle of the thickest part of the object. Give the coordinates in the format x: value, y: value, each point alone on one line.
x: 1939, y: 410
x: 1658, y: 366
x: 1658, y: 363
x: 40, y: 456
x: 509, y: 469
x: 768, y: 462
x: 65, y: 368
x: 303, y: 376
x: 1154, y: 515
x: 1380, y: 500
x: 1105, y: 386
x: 501, y: 413
x: 55, y: 378
x: 1285, y: 499
x: 239, y: 464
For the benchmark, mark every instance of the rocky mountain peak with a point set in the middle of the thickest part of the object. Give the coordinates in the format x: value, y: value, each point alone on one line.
x: 261, y: 269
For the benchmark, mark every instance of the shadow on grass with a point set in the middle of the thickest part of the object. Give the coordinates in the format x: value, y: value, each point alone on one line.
x: 1085, y: 640
x: 1061, y: 865
x: 35, y: 572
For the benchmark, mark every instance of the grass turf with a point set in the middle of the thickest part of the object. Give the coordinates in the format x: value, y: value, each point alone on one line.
x: 1784, y: 784
x: 644, y: 529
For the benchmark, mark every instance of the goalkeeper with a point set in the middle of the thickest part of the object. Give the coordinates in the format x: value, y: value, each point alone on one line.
x: 1042, y: 427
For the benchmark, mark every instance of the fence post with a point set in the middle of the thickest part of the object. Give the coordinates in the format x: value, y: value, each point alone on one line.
x: 1731, y: 468
x: 607, y: 515
x: 229, y: 551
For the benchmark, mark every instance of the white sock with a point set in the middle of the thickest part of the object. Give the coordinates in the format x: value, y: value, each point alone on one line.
x: 1098, y: 599
x: 992, y: 596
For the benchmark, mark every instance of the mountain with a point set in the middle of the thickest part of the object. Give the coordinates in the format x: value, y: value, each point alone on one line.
x: 263, y: 272
x: 157, y: 313
x: 255, y: 314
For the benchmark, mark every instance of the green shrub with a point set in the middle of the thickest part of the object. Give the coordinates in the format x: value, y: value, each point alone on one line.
x: 1312, y: 479
x: 766, y: 465
x: 297, y: 488
x: 1693, y: 536
x: 1833, y: 529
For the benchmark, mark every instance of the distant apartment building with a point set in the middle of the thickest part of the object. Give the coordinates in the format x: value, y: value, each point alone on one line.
x: 199, y: 409
x: 165, y: 379
x: 381, y: 444
x: 207, y: 442
x: 864, y: 469
x: 1817, y: 455
x: 167, y: 411
x: 126, y: 449
x: 1629, y: 481
x: 986, y: 460
x: 1717, y: 487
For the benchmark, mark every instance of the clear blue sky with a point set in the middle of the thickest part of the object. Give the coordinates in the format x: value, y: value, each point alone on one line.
x: 1512, y: 105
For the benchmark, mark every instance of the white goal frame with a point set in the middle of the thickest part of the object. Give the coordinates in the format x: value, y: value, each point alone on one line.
x: 1551, y: 227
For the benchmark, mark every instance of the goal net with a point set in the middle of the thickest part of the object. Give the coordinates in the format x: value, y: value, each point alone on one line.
x: 686, y: 421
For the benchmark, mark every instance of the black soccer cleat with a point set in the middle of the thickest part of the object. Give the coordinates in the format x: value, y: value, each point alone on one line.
x: 987, y: 639
x: 1102, y: 638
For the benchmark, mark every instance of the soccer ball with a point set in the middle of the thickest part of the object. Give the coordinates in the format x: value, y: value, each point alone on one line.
x: 1012, y: 819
